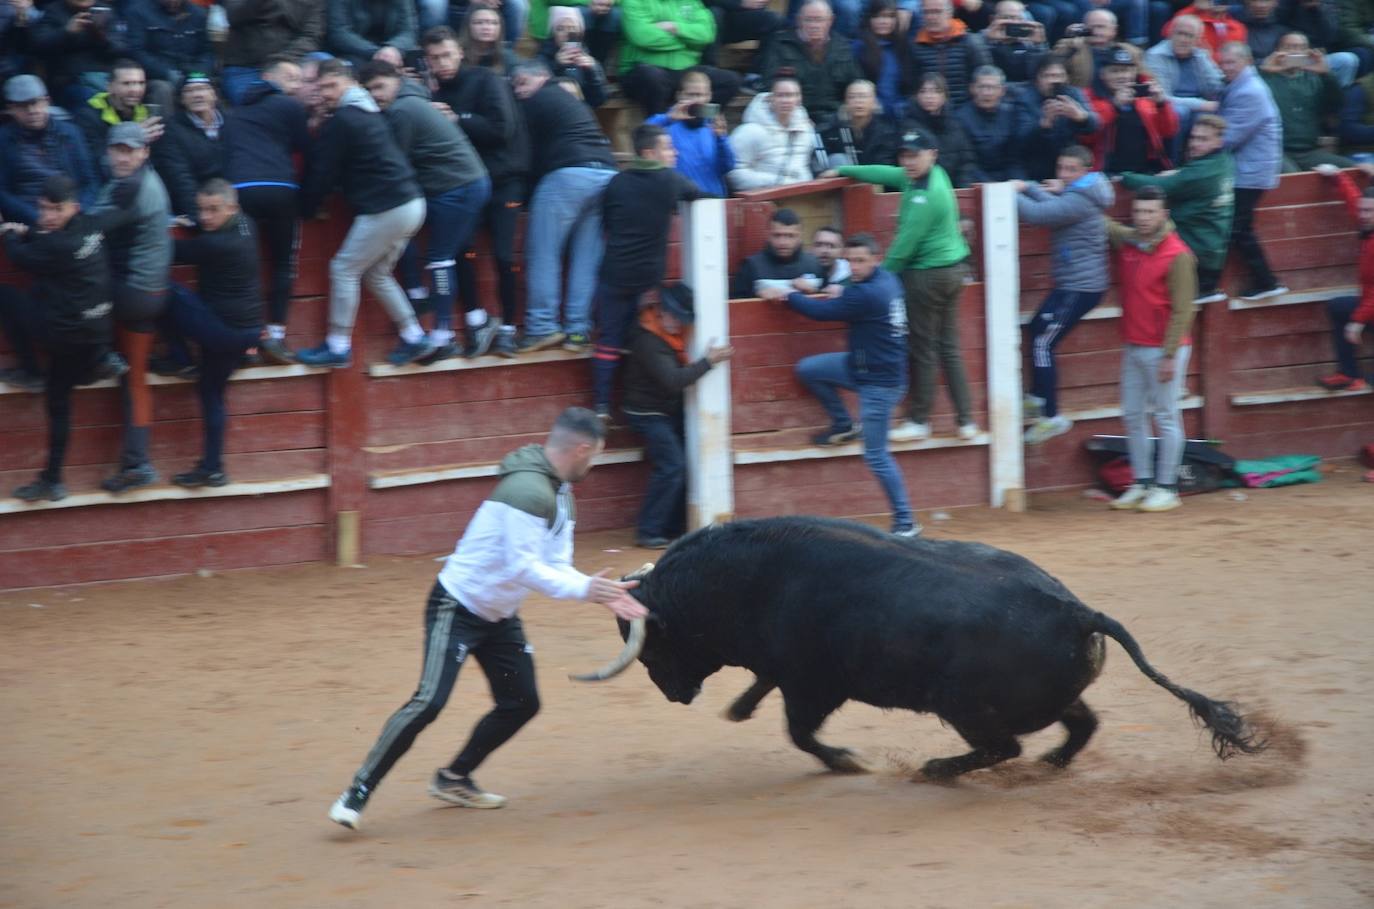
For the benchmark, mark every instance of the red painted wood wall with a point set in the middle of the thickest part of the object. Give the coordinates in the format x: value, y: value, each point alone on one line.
x: 354, y: 427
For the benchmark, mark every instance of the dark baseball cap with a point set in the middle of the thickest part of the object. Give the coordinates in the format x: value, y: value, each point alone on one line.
x: 24, y: 89
x: 917, y: 140
x: 1119, y: 56
x: 676, y: 299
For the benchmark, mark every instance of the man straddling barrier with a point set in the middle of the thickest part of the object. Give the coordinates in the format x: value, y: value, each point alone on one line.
x: 519, y: 541
x: 1158, y: 287
x: 875, y: 365
x: 1350, y: 316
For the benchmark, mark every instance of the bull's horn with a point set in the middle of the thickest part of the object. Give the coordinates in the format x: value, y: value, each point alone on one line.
x: 634, y: 643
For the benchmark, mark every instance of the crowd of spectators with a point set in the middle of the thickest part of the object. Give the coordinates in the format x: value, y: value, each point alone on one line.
x: 457, y: 116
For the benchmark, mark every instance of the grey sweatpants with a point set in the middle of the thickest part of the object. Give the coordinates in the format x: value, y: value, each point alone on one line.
x: 369, y: 253
x: 1143, y: 396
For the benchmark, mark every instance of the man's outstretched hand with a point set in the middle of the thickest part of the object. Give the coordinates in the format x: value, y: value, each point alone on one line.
x: 615, y: 596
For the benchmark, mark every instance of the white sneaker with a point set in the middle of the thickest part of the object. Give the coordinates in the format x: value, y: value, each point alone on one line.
x: 1277, y: 290
x: 348, y: 809
x: 910, y: 431
x: 1130, y: 499
x: 461, y: 790
x: 968, y: 431
x: 1215, y: 296
x: 1159, y: 500
x: 1047, y: 428
x: 1031, y: 407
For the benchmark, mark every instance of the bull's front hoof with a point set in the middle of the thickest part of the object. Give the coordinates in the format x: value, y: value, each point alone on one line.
x: 940, y: 770
x: 1056, y: 759
x: 736, y: 714
x: 846, y: 761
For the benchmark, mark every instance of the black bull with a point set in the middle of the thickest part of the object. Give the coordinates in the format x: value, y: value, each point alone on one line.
x: 830, y: 611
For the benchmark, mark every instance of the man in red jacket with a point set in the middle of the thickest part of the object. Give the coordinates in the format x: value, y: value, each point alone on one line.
x: 1137, y: 121
x: 1351, y: 315
x: 1158, y: 287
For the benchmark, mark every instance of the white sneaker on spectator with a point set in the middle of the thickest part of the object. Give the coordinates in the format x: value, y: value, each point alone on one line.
x: 1130, y: 499
x: 910, y: 431
x: 1047, y: 428
x: 1215, y: 296
x: 1158, y: 499
x: 968, y: 431
x: 1031, y: 407
x: 1277, y: 290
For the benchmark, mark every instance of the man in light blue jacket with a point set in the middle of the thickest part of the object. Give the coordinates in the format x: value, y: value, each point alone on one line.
x: 1254, y: 136
x: 1185, y: 71
x: 1074, y: 207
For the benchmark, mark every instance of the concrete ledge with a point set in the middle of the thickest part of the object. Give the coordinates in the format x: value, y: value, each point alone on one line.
x: 1097, y: 312
x: 1285, y: 395
x: 383, y: 370
x: 391, y: 479
x: 162, y: 493
x: 848, y: 450
x: 1108, y: 411
x: 250, y: 374
x: 1297, y: 296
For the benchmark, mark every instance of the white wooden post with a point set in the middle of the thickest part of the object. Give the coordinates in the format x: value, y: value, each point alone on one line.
x: 710, y: 465
x: 1002, y: 305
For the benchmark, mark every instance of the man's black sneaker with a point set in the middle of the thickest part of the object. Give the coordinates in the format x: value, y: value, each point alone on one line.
x: 504, y: 345
x: 531, y: 343
x: 274, y: 352
x: 21, y: 379
x: 652, y: 542
x: 446, y: 351
x: 111, y: 366
x: 461, y: 790
x: 833, y: 436
x: 130, y: 478
x: 406, y: 352
x: 482, y: 337
x: 199, y: 476
x: 41, y: 489
x: 577, y: 342
x: 348, y: 809
x: 165, y: 366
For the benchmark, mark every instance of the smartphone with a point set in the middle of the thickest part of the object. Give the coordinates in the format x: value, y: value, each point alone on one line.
x: 1298, y: 59
x: 1061, y: 90
x: 100, y: 15
x: 154, y: 110
x: 575, y: 46
x: 1077, y: 30
x: 710, y: 111
x: 1018, y: 30
x: 1142, y: 89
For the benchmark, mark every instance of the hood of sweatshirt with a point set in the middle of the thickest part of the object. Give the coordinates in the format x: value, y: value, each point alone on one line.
x: 529, y: 459
x: 1096, y: 187
x: 358, y: 97
x: 761, y: 112
x: 411, y: 89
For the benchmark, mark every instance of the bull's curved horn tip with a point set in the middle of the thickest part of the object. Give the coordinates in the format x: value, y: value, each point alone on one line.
x: 634, y: 643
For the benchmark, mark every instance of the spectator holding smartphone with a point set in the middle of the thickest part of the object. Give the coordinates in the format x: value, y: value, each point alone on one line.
x: 567, y: 56
x: 1052, y: 116
x: 699, y: 134
x: 1307, y: 95
x: 1015, y: 41
x: 78, y: 41
x: 169, y: 38
x: 1137, y: 122
x: 122, y: 103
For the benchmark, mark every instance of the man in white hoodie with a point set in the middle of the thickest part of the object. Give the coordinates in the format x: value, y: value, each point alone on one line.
x: 519, y: 541
x: 774, y: 144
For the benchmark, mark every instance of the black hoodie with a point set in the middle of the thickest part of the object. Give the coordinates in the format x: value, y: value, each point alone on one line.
x: 768, y: 265
x: 357, y: 153
x: 486, y: 111
x: 261, y: 134
x: 72, y: 280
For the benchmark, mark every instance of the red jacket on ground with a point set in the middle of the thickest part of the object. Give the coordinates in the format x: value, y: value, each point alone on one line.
x: 1218, y: 27
x: 1160, y: 121
x: 1364, y: 313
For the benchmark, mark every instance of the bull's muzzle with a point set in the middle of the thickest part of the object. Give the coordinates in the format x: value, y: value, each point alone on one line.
x: 634, y: 643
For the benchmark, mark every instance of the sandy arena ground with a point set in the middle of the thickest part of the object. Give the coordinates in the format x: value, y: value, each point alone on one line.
x: 177, y: 743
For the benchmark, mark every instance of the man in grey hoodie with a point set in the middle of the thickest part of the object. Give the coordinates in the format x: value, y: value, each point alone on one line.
x: 456, y: 188
x: 1073, y: 206
x: 519, y: 541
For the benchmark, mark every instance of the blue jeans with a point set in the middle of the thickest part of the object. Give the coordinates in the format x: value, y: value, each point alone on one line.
x: 234, y: 81
x: 1339, y: 312
x: 221, y: 350
x: 450, y: 218
x: 565, y: 212
x: 663, y: 512
x: 823, y: 375
x: 1052, y: 323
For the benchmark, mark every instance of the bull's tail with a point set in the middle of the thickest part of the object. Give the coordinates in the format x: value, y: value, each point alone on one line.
x: 1231, y: 733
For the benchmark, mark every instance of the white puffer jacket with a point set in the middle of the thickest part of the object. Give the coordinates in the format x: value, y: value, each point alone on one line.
x: 768, y: 153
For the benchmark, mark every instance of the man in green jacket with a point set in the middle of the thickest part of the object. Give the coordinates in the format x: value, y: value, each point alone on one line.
x: 1201, y: 200
x: 928, y: 253
x: 661, y: 39
x: 1306, y: 94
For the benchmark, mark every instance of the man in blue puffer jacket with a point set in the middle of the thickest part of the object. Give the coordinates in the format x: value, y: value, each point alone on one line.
x: 875, y: 365
x: 704, y: 155
x: 1074, y: 207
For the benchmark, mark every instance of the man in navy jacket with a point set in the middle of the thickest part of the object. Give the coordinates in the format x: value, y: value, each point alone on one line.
x: 875, y: 365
